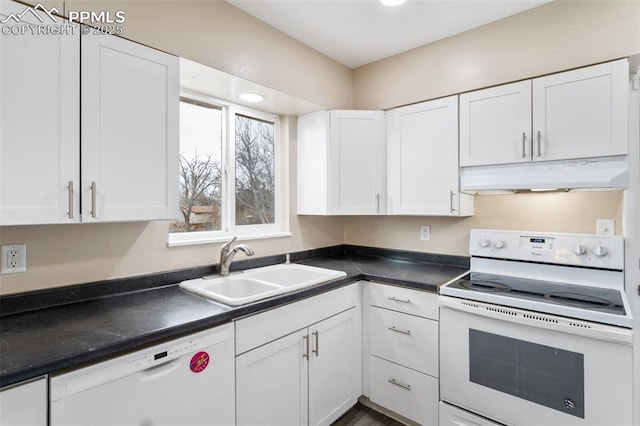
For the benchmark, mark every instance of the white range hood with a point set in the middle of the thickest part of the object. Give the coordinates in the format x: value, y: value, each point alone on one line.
x: 591, y: 173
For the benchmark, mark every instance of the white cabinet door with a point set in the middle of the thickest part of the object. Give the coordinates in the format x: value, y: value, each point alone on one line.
x: 495, y: 125
x: 130, y: 99
x: 570, y: 115
x: 423, y: 172
x: 356, y: 162
x: 24, y: 404
x: 581, y: 113
x: 341, y: 164
x: 39, y: 124
x: 272, y: 382
x: 334, y: 367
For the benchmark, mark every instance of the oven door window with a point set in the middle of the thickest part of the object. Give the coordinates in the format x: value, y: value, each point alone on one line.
x: 542, y: 374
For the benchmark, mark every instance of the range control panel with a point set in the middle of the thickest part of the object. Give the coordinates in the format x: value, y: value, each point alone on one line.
x: 595, y: 251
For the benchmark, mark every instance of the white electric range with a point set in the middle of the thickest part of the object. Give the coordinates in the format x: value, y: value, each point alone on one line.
x: 539, y: 331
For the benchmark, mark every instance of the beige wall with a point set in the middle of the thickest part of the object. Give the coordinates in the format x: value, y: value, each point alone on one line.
x: 550, y: 212
x: 556, y: 36
x: 553, y: 37
x: 219, y: 35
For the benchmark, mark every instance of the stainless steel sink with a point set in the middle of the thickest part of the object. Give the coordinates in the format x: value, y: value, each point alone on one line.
x: 260, y: 283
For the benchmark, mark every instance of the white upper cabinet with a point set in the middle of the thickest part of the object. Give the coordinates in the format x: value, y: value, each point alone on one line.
x: 126, y: 132
x: 581, y: 113
x: 575, y: 114
x: 422, y: 160
x: 495, y: 125
x: 39, y: 124
x: 130, y: 101
x: 341, y: 163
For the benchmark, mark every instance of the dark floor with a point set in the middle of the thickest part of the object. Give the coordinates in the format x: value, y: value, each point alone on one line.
x: 360, y: 415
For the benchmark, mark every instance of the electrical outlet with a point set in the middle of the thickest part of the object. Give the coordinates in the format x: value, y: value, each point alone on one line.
x: 14, y: 259
x: 425, y: 233
x: 605, y: 226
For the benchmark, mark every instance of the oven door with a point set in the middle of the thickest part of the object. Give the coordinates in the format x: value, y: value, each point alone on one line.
x: 524, y: 368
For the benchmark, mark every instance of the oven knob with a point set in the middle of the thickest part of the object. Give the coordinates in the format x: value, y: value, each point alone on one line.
x: 600, y: 251
x: 579, y: 249
x: 499, y: 244
x: 484, y: 243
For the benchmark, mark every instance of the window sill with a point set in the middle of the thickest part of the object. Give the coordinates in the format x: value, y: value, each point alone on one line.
x: 224, y: 238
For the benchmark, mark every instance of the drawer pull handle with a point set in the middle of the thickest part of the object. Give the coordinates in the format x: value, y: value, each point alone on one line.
x: 395, y: 299
x: 407, y: 332
x: 402, y: 385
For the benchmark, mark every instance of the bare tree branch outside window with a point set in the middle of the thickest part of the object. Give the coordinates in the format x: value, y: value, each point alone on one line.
x: 200, y: 174
x: 201, y: 177
x: 255, y: 184
x: 200, y: 194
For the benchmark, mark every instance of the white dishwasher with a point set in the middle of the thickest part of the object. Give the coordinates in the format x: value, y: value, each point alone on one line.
x: 188, y: 381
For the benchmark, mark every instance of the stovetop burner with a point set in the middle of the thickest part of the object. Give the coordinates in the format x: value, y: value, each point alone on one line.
x: 507, y: 290
x: 579, y: 300
x: 484, y: 285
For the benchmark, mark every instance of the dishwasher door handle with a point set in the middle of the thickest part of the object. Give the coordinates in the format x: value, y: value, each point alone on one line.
x: 161, y: 369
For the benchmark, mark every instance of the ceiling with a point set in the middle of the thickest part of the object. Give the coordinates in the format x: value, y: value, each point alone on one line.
x: 358, y: 32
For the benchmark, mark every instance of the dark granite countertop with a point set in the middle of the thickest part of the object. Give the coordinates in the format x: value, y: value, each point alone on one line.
x: 50, y: 339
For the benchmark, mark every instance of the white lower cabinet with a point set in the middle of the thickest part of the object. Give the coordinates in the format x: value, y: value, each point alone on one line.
x: 272, y: 384
x: 403, y: 352
x: 404, y: 391
x: 310, y: 375
x: 24, y: 404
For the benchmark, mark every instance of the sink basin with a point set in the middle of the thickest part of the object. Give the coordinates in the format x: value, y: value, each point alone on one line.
x: 260, y: 283
x: 294, y: 275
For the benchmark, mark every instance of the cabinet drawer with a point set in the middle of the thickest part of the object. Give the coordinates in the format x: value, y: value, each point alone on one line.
x: 404, y: 391
x: 404, y: 339
x: 414, y: 302
x: 265, y: 327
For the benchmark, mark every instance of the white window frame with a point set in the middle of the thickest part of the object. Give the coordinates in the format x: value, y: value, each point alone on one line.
x: 280, y: 227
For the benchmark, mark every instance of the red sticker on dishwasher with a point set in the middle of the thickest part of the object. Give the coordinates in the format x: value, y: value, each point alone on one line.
x: 199, y: 362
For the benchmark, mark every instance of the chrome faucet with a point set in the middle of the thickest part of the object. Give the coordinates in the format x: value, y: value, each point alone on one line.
x: 227, y: 253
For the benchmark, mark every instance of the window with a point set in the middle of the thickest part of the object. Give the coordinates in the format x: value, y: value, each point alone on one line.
x: 232, y: 179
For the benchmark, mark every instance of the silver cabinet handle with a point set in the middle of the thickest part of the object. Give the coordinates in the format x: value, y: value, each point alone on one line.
x: 451, y: 207
x: 524, y: 145
x: 402, y: 385
x: 539, y: 145
x: 378, y: 203
x: 70, y: 195
x: 316, y: 336
x: 94, y: 192
x: 395, y: 299
x: 305, y: 339
x: 397, y: 330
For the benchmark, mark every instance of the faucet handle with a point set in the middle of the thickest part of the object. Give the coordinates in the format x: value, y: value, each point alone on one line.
x: 225, y: 246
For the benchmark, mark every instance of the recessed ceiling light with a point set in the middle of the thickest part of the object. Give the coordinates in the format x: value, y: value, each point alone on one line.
x: 251, y: 97
x: 392, y: 2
